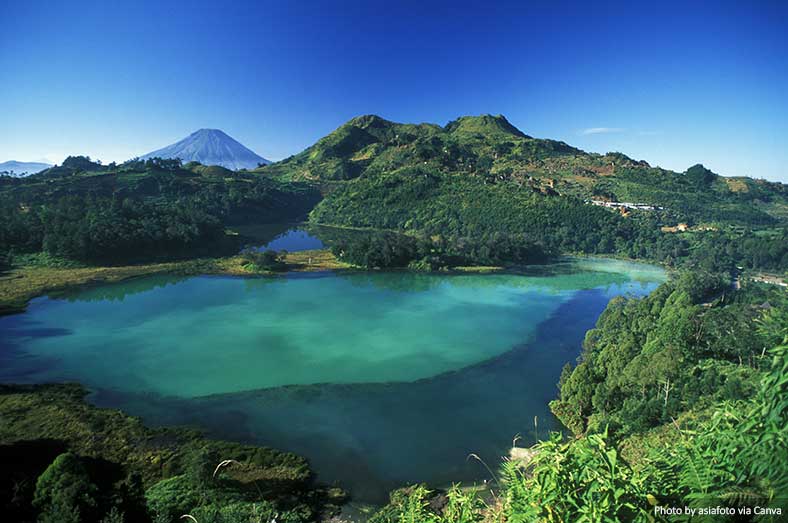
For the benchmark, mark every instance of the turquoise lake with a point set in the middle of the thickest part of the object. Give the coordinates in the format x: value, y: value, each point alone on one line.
x: 379, y: 378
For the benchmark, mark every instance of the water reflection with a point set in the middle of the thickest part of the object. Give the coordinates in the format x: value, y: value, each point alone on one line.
x: 281, y: 236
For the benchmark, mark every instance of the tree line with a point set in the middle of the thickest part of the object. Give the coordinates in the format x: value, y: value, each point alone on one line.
x: 421, y: 202
x: 138, y: 210
x: 382, y: 249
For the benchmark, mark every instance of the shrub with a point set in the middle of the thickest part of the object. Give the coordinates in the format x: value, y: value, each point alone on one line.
x: 64, y: 492
x: 264, y: 261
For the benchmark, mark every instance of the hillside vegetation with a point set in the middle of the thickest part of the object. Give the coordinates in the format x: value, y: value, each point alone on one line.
x: 480, y: 176
x: 491, y: 150
x: 140, y: 210
x: 473, y: 184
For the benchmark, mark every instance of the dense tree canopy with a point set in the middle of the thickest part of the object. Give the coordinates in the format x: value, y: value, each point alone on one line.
x: 138, y: 210
x: 691, y: 342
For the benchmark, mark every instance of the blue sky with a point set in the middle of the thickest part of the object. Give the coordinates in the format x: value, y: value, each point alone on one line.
x: 674, y: 83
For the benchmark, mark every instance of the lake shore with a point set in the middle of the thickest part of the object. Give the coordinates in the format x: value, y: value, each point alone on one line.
x: 24, y: 283
x: 286, y: 355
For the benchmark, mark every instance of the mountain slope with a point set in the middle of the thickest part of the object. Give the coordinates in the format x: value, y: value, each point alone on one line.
x: 211, y: 147
x: 15, y: 168
x: 488, y: 150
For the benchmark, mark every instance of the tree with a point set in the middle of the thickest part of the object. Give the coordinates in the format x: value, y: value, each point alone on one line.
x: 64, y: 492
x: 699, y: 175
x: 5, y: 262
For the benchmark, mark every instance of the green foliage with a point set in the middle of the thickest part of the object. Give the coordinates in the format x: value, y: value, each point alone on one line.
x: 114, y: 516
x: 773, y: 324
x: 112, y: 231
x: 699, y: 175
x: 172, y: 497
x: 64, y: 492
x: 5, y: 262
x: 268, y: 260
x: 380, y: 249
x: 174, y: 467
x: 738, y: 458
x: 578, y: 481
x: 139, y: 210
x: 650, y: 359
x: 480, y: 175
x: 70, y: 166
x: 215, y: 490
x: 467, y: 208
x: 245, y: 512
x: 386, y: 249
x: 417, y: 504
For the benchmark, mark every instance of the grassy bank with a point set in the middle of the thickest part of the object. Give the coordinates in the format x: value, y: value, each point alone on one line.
x: 23, y: 283
x: 27, y: 281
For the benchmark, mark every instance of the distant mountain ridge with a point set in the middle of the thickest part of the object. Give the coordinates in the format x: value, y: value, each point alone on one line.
x: 211, y: 147
x: 22, y: 168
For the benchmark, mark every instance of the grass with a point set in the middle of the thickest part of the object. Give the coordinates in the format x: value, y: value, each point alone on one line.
x: 59, y: 412
x: 33, y: 279
x: 479, y: 269
x: 315, y: 260
x: 24, y: 283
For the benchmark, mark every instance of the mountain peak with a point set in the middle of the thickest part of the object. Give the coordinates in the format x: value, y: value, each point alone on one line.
x: 211, y: 147
x: 369, y: 121
x: 484, y: 124
x: 208, y: 131
x: 15, y: 168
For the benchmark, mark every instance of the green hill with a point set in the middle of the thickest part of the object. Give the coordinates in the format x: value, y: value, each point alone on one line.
x: 480, y: 177
x: 139, y: 210
x: 467, y: 186
x: 491, y: 151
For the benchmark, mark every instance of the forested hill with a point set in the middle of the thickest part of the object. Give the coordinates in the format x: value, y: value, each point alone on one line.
x: 480, y: 179
x: 156, y: 208
x: 467, y: 187
x: 490, y: 150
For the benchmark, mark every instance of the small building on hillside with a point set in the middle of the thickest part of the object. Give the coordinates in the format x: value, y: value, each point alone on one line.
x: 676, y: 228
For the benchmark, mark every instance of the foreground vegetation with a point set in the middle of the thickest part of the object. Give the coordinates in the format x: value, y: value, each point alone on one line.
x: 735, y: 458
x: 65, y: 461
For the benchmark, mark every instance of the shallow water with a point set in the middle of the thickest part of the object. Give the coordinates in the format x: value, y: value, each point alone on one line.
x: 281, y: 236
x: 378, y: 378
x: 293, y: 240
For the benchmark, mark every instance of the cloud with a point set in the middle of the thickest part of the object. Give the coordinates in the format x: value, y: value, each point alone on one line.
x: 601, y: 130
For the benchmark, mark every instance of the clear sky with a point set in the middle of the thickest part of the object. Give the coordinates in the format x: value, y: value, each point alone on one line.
x: 673, y: 83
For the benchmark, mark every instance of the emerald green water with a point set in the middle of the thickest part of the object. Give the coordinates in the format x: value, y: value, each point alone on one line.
x: 356, y: 368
